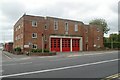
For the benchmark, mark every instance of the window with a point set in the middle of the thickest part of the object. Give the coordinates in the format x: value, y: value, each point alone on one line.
x: 16, y: 29
x: 34, y: 35
x: 18, y: 37
x: 34, y: 23
x: 66, y: 26
x: 22, y: 24
x: 76, y: 27
x: 98, y: 30
x: 45, y: 27
x: 55, y: 25
x: 45, y: 38
x: 19, y: 27
x: 21, y: 46
x: 21, y: 35
x: 98, y: 38
x: 86, y: 30
x: 86, y: 39
x: 34, y: 46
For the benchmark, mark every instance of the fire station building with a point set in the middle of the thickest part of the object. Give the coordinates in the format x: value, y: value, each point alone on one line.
x: 56, y: 34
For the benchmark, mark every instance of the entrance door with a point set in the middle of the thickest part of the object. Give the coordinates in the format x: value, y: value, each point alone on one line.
x: 55, y: 44
x: 65, y: 44
x: 75, y: 45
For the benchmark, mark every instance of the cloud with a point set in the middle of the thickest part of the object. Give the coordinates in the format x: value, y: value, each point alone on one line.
x: 12, y: 10
x: 81, y: 10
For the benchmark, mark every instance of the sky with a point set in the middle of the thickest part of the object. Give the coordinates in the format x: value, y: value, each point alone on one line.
x: 81, y: 10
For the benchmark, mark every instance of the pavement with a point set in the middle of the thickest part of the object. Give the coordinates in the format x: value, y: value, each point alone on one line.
x: 6, y: 56
x: 93, y: 64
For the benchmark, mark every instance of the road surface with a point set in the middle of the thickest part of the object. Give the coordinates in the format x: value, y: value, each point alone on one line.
x: 99, y: 65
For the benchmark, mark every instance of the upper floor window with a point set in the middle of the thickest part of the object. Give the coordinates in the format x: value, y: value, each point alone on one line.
x: 19, y: 27
x: 86, y: 30
x: 98, y: 30
x: 66, y: 26
x: 16, y: 29
x: 76, y: 27
x: 45, y: 38
x: 21, y: 35
x: 34, y: 23
x: 45, y: 27
x: 34, y: 35
x: 16, y: 38
x: 22, y: 24
x: 86, y: 39
x: 55, y: 25
x: 34, y: 46
x: 98, y: 38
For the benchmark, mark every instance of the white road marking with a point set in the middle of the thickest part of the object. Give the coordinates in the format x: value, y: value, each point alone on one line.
x: 62, y: 68
x: 16, y: 59
x: 7, y: 56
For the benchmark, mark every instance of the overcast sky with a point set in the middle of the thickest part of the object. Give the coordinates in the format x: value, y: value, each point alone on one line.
x: 82, y: 10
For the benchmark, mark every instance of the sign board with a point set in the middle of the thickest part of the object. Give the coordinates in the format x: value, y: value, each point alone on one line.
x: 26, y: 46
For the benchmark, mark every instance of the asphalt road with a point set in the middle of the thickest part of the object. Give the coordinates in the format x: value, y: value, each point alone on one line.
x: 82, y: 66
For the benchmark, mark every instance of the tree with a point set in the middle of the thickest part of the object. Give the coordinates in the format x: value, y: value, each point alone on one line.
x: 102, y: 23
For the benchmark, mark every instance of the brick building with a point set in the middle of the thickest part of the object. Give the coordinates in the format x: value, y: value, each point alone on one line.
x: 56, y: 34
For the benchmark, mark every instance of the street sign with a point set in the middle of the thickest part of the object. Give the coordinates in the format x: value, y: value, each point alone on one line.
x: 26, y: 46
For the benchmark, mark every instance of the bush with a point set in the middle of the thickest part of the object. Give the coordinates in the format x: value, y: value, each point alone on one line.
x: 39, y: 50
x: 36, y: 50
x: 45, y: 50
x: 18, y: 49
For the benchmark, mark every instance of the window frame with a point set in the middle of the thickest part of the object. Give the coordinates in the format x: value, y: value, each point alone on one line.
x: 18, y: 37
x: 45, y: 27
x: 35, y: 34
x: 21, y: 35
x: 33, y: 46
x: 45, y: 37
x: 16, y: 29
x: 66, y: 26
x: 98, y: 38
x: 34, y: 21
x: 55, y: 24
x: 87, y: 39
x: 98, y: 30
x: 76, y: 27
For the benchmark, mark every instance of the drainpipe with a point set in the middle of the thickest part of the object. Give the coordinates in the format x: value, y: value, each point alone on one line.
x: 42, y: 44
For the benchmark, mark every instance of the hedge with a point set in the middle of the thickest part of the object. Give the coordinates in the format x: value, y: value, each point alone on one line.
x: 18, y: 49
x: 115, y: 45
x: 39, y: 50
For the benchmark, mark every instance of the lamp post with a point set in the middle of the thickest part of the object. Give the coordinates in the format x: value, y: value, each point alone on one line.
x: 42, y: 43
x: 30, y: 44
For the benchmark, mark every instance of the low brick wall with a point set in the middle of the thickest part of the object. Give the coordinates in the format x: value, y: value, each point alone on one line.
x: 41, y: 54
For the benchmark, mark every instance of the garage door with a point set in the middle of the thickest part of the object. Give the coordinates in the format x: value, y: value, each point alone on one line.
x: 65, y: 44
x: 55, y: 44
x: 75, y: 45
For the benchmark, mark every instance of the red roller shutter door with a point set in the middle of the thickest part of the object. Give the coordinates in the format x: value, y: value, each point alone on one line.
x: 75, y: 45
x: 55, y: 44
x: 65, y: 44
